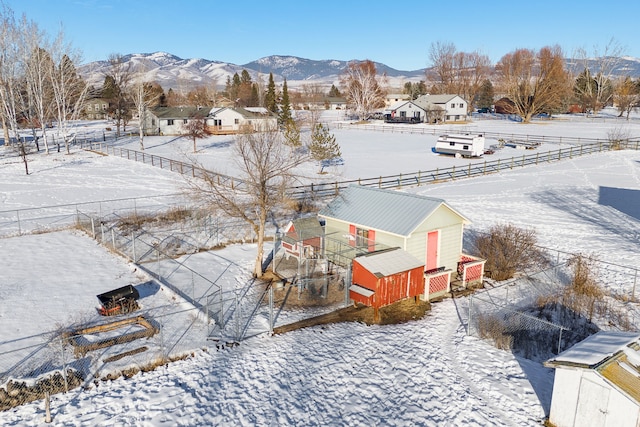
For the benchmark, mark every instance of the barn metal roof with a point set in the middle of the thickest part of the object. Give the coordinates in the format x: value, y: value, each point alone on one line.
x: 387, y: 263
x: 387, y: 210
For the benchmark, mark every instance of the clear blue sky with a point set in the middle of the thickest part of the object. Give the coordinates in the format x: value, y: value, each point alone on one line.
x: 397, y: 33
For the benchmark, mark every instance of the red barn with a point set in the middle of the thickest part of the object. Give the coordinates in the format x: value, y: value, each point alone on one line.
x: 384, y: 277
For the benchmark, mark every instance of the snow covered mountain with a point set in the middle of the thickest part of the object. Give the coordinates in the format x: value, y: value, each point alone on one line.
x: 171, y: 71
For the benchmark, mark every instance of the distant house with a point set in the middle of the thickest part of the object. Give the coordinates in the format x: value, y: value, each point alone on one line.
x: 443, y: 108
x: 597, y: 382
x: 404, y: 112
x: 505, y: 106
x: 171, y: 120
x: 220, y: 120
x: 362, y: 220
x: 393, y: 98
x: 226, y: 120
x: 96, y: 109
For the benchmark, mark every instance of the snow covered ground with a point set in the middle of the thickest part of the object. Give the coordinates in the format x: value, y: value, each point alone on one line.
x: 426, y: 372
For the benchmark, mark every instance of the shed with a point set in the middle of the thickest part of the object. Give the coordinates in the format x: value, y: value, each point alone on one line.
x: 597, y: 382
x: 365, y: 219
x: 384, y: 277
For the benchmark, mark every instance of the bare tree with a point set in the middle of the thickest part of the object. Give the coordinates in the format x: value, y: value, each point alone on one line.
x: 69, y: 89
x: 441, y: 74
x: 121, y: 74
x: 626, y: 96
x: 144, y: 95
x: 600, y: 66
x: 534, y: 82
x: 267, y: 167
x: 11, y: 62
x: 363, y: 87
x: 458, y: 73
x: 39, y: 92
x: 196, y: 128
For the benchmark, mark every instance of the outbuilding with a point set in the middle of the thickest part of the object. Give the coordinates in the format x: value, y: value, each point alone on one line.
x: 597, y: 382
x: 384, y: 277
x: 363, y: 219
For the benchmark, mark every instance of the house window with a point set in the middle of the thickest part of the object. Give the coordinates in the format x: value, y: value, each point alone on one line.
x: 97, y: 107
x: 452, y: 144
x: 453, y: 105
x: 104, y: 107
x: 217, y: 122
x: 153, y: 122
x: 466, y: 147
x: 416, y: 114
x: 362, y: 238
x: 185, y: 121
x: 403, y: 114
x: 89, y: 107
x: 461, y: 105
x: 237, y: 121
x: 169, y: 122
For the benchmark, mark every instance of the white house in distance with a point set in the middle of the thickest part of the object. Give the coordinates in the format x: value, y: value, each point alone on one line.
x: 393, y: 98
x: 219, y: 120
x: 597, y: 382
x: 454, y: 108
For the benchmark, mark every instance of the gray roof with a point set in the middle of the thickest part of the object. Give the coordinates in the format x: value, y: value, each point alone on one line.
x: 179, y: 112
x: 387, y: 263
x: 425, y: 100
x: 305, y: 228
x: 387, y: 210
x: 594, y: 349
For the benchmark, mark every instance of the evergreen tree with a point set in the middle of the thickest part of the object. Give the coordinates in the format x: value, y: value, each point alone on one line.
x: 285, y: 107
x: 270, y: 97
x: 486, y: 95
x: 291, y: 133
x: 245, y: 77
x: 323, y: 144
x: 334, y: 92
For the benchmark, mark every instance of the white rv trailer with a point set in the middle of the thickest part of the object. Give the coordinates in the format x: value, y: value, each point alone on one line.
x: 465, y: 145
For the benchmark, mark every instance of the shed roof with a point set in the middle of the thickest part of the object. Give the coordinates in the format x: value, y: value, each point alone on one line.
x: 595, y: 349
x: 389, y: 262
x: 391, y: 211
x: 613, y: 355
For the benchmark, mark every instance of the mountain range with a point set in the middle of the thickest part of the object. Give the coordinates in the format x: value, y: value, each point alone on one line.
x: 170, y: 71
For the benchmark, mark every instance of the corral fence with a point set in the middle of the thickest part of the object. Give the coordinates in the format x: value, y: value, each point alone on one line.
x: 183, y: 168
x: 577, y: 147
x: 473, y: 169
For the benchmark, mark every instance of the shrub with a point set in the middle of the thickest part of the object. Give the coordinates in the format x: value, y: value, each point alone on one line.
x: 508, y: 249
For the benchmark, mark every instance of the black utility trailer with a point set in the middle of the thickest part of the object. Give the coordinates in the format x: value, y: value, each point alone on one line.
x: 118, y: 301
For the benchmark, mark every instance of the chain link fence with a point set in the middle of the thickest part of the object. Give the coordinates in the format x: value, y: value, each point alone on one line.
x: 527, y: 315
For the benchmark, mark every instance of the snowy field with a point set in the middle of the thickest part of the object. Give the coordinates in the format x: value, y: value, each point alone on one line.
x: 424, y: 373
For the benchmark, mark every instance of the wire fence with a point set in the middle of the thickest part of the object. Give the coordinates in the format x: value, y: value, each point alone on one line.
x: 527, y: 315
x: 80, y: 354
